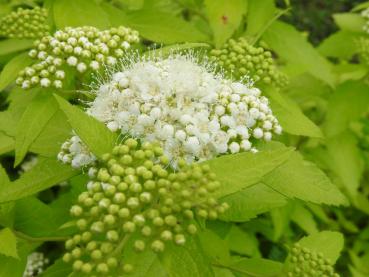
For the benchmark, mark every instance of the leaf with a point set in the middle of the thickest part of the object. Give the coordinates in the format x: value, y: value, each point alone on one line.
x: 304, y: 219
x: 214, y: 247
x: 250, y: 202
x: 32, y: 122
x: 341, y: 44
x: 243, y: 242
x: 56, y: 131
x: 187, y: 260
x: 349, y: 102
x: 350, y: 22
x: 292, y: 47
x: 94, y: 134
x: 291, y: 117
x: 163, y: 27
x: 6, y: 143
x: 224, y: 18
x: 15, y: 267
x: 330, y: 244
x: 45, y: 174
x: 12, y: 68
x: 79, y: 13
x: 259, y: 14
x: 239, y: 171
x: 301, y: 179
x: 36, y: 219
x: 58, y: 269
x: 12, y: 45
x: 256, y: 267
x: 8, y: 243
x: 346, y: 161
x: 6, y: 209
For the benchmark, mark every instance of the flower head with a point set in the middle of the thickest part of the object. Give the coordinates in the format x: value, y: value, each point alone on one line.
x: 192, y: 112
x: 83, y: 48
x: 133, y: 195
x: 305, y: 262
x: 25, y: 23
x: 36, y: 263
x: 240, y: 60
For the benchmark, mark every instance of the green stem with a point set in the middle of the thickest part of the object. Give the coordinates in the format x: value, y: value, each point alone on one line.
x: 120, y: 246
x: 266, y: 26
x: 38, y: 239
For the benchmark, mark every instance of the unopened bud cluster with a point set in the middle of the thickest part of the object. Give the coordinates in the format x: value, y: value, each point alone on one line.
x: 192, y: 112
x: 25, y: 23
x: 133, y: 193
x: 365, y: 15
x: 36, y: 263
x: 363, y: 49
x: 75, y: 153
x: 83, y: 48
x: 306, y: 262
x: 240, y: 60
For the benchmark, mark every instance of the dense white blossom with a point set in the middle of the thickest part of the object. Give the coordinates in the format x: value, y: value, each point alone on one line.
x: 75, y: 152
x: 36, y: 263
x: 182, y: 104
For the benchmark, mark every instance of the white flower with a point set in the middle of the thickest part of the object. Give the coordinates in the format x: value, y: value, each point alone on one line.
x: 190, y: 111
x: 72, y: 61
x: 36, y: 263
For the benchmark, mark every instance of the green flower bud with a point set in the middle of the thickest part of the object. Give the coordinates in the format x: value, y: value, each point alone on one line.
x: 157, y: 246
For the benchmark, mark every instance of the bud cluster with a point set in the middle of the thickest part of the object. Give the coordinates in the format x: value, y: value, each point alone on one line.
x: 83, y: 48
x: 75, y: 153
x: 36, y: 263
x: 25, y: 23
x: 240, y: 60
x: 306, y: 262
x: 133, y: 194
x: 192, y: 112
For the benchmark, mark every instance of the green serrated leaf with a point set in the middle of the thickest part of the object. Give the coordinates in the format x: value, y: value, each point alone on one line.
x: 341, y: 44
x: 98, y: 138
x: 250, y: 202
x: 346, y: 161
x: 239, y: 171
x: 292, y: 47
x: 304, y: 219
x: 33, y: 121
x: 187, y: 260
x: 12, y: 68
x: 57, y: 269
x: 329, y: 243
x: 349, y: 102
x: 214, y: 247
x: 224, y: 18
x: 12, y: 45
x: 45, y: 174
x: 291, y: 117
x: 7, y: 143
x: 259, y: 14
x: 350, y: 22
x: 301, y: 179
x: 79, y: 13
x: 163, y: 27
x: 8, y: 243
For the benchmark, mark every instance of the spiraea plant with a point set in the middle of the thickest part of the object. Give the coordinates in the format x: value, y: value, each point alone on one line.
x: 187, y: 152
x: 84, y: 49
x: 25, y: 23
x: 133, y: 192
x: 239, y: 58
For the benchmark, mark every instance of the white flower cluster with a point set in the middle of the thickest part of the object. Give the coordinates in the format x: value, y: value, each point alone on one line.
x: 84, y: 48
x: 191, y: 111
x: 36, y: 263
x: 365, y: 15
x: 76, y: 153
